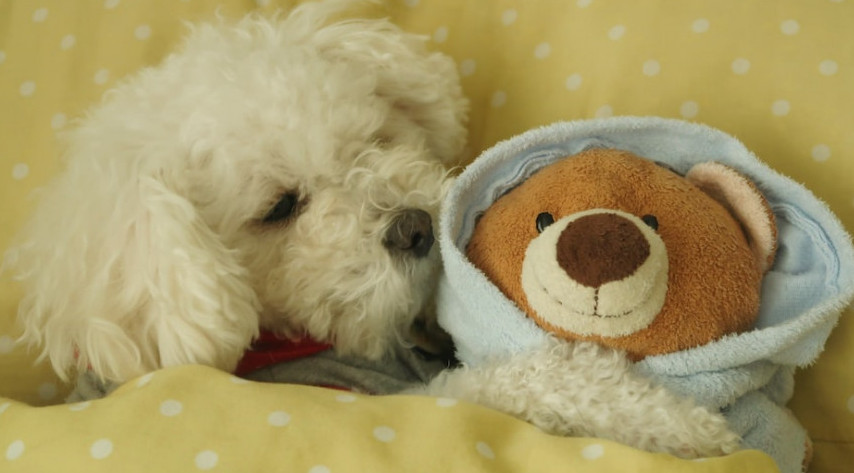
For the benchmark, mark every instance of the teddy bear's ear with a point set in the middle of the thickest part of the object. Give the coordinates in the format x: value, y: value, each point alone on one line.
x: 745, y: 202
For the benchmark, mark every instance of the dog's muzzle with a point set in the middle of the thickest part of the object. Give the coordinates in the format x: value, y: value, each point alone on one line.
x: 410, y: 232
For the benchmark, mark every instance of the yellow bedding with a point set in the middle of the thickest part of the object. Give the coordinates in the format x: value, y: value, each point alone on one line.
x: 776, y: 75
x: 197, y: 419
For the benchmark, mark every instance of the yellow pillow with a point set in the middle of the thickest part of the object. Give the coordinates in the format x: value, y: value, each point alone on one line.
x: 777, y: 78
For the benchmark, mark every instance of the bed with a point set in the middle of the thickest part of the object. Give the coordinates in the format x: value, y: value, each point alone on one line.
x: 779, y: 79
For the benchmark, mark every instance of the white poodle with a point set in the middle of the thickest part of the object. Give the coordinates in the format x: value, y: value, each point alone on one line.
x: 284, y: 175
x: 278, y: 174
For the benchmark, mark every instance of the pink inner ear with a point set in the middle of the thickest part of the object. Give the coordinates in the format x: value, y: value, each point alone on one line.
x: 744, y: 201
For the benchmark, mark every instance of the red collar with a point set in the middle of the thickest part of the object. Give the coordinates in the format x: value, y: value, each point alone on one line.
x: 269, y: 349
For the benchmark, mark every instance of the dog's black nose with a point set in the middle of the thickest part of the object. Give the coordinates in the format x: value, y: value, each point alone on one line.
x: 411, y: 231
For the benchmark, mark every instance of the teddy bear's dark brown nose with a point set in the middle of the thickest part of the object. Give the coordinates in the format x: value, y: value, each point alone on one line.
x: 599, y: 248
x: 411, y: 232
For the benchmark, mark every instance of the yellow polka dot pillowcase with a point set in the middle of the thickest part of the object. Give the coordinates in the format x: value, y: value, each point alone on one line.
x: 776, y: 78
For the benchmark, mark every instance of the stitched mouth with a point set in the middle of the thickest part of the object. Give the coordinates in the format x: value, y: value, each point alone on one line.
x: 595, y: 312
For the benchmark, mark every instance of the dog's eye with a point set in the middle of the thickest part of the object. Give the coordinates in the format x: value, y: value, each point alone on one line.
x: 544, y: 220
x: 283, y: 209
x: 651, y: 221
x: 382, y: 139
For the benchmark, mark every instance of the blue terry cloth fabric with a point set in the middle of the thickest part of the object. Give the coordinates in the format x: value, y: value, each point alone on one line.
x: 748, y: 376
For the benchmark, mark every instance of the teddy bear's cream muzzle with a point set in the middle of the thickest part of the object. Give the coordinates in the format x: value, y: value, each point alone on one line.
x: 597, y: 272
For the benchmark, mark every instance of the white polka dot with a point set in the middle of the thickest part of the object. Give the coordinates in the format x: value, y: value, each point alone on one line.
x: 278, y: 418
x: 604, y: 111
x: 4, y: 406
x: 484, y: 450
x: 110, y: 4
x: 583, y: 3
x: 851, y: 400
x: 821, y: 152
x: 79, y: 406
x: 27, y: 88
x: 144, y: 379
x: 347, y: 398
x: 206, y: 460
x: 262, y: 3
x: 238, y: 380
x: 467, y: 67
x: 446, y: 402
x: 19, y: 171
x: 790, y: 27
x: 828, y: 67
x: 573, y: 82
x: 651, y: 68
x: 319, y: 469
x: 102, y: 448
x: 68, y: 41
x: 509, y: 17
x: 689, y: 109
x: 441, y: 34
x: 58, y: 121
x: 498, y: 99
x: 142, y: 32
x: 102, y: 76
x: 15, y: 450
x: 700, y: 25
x: 411, y: 3
x: 47, y: 391
x: 171, y: 407
x: 384, y: 434
x: 592, y: 452
x: 7, y: 343
x: 616, y: 32
x: 780, y: 107
x: 2, y: 57
x: 542, y: 50
x: 40, y: 15
x: 740, y: 66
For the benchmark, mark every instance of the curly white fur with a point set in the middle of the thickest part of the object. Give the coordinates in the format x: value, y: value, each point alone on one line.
x: 150, y: 250
x: 585, y: 389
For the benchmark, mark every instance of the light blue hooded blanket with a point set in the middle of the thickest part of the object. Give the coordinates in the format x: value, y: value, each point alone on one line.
x: 748, y: 376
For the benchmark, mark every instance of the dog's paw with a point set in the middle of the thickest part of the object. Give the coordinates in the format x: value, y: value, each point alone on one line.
x: 705, y: 434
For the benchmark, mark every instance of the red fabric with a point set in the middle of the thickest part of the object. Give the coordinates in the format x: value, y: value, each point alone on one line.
x: 269, y: 349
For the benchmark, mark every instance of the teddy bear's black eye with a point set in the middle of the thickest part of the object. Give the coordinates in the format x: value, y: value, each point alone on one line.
x: 544, y: 220
x: 651, y: 221
x: 283, y: 209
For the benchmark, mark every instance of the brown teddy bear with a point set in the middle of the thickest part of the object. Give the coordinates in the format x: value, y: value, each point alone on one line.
x: 564, y: 251
x: 610, y: 247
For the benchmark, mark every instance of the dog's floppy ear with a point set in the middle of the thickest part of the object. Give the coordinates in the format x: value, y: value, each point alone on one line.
x: 422, y: 85
x: 425, y: 87
x: 121, y: 275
